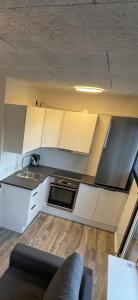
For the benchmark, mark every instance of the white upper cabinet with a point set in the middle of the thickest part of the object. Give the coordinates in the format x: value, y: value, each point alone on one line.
x: 33, y: 128
x: 23, y: 127
x: 77, y: 131
x: 27, y: 128
x: 52, y: 127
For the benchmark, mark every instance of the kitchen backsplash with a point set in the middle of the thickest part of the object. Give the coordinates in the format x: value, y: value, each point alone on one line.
x: 11, y: 162
x: 65, y: 160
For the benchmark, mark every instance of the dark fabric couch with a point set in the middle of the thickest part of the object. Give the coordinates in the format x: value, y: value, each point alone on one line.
x: 30, y: 272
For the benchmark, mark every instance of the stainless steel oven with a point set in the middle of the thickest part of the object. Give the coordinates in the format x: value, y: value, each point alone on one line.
x: 63, y: 193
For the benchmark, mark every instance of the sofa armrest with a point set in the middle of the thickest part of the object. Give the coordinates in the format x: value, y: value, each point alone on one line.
x: 86, y: 285
x: 35, y: 261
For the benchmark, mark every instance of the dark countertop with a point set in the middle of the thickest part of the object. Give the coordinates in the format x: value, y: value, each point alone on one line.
x: 30, y: 184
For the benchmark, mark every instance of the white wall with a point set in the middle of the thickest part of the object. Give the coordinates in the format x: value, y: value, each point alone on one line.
x: 106, y: 104
x: 21, y: 92
x: 63, y: 160
x: 11, y: 162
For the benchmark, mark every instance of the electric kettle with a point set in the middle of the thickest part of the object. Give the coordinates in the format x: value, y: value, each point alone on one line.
x: 35, y: 160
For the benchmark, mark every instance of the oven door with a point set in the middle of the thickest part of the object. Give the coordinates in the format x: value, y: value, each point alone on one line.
x: 62, y: 196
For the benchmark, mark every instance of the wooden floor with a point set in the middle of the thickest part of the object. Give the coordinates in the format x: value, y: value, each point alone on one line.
x: 62, y: 237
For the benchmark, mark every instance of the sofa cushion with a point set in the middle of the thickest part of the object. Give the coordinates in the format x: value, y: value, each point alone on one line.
x: 65, y: 284
x: 16, y: 284
x: 35, y: 261
x: 86, y: 285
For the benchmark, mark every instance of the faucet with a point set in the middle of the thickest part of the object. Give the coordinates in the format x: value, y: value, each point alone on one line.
x: 22, y: 167
x: 22, y: 164
x: 33, y: 160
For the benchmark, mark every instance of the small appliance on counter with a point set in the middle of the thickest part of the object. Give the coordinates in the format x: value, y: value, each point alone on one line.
x: 35, y: 158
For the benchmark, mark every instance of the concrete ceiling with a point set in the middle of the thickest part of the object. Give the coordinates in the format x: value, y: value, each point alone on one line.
x: 71, y: 42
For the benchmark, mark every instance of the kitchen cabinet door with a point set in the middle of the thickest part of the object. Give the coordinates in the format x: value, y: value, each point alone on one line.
x: 15, y: 206
x: 86, y: 201
x: 23, y: 127
x: 33, y: 128
x: 52, y: 127
x: 109, y: 207
x: 77, y: 131
x: 20, y: 206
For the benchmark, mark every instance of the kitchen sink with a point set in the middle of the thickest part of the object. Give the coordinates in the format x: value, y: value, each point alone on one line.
x: 30, y: 175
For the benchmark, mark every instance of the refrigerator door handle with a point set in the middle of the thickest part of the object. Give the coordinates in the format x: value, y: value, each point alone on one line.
x: 107, y: 135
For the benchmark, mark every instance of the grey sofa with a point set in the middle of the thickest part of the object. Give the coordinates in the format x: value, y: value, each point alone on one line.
x: 30, y: 273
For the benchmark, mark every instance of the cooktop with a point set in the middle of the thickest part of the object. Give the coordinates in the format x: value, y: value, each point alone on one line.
x: 67, y: 174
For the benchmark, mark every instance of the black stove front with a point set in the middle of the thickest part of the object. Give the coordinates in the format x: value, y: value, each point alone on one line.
x: 63, y: 194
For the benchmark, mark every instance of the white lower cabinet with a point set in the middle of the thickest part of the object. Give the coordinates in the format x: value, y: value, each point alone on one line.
x: 94, y: 206
x: 35, y: 203
x: 20, y: 206
x: 101, y: 207
x: 109, y: 207
x: 86, y: 201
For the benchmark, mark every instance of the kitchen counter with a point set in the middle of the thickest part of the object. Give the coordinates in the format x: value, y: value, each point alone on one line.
x: 49, y: 171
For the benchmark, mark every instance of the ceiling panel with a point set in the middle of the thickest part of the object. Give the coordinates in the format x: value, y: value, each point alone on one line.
x: 125, y: 87
x: 27, y: 73
x: 32, y: 3
x: 91, y: 27
x: 6, y: 49
x: 115, y: 1
x: 65, y: 42
x: 61, y: 61
x: 124, y: 62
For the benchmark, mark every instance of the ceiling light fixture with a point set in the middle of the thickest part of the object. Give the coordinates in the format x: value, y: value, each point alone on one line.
x: 88, y: 89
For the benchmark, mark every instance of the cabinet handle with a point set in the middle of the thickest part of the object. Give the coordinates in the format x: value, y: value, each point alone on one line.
x: 33, y: 206
x: 107, y: 135
x: 35, y: 194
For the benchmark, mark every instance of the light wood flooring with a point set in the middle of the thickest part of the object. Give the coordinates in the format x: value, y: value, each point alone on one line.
x: 62, y: 237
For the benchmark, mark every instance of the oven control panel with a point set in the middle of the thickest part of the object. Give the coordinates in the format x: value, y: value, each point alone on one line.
x: 67, y: 183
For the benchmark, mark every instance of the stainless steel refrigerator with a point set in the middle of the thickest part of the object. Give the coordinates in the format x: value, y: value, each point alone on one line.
x: 119, y: 153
